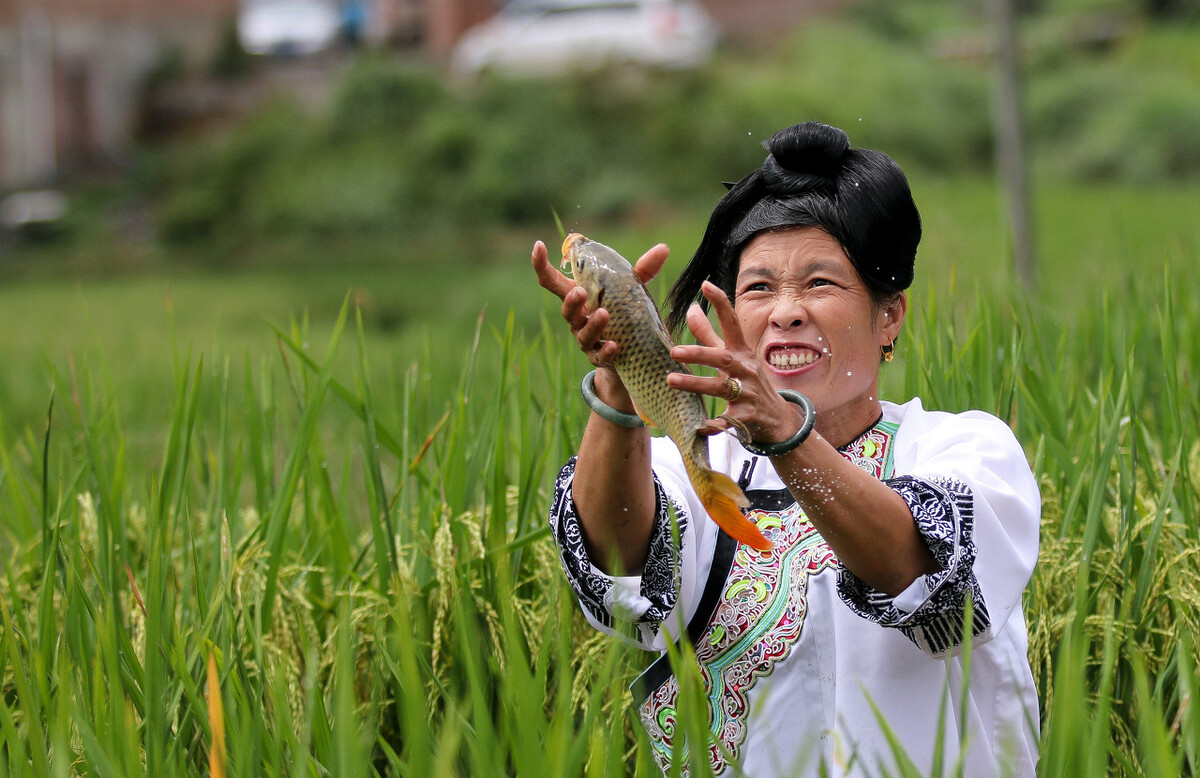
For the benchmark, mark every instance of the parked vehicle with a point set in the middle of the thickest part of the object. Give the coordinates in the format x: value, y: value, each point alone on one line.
x: 545, y: 37
x: 288, y: 26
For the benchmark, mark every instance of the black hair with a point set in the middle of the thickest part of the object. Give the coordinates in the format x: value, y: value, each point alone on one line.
x: 811, y: 178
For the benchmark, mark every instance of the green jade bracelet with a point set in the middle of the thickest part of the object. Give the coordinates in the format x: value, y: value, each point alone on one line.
x: 630, y: 420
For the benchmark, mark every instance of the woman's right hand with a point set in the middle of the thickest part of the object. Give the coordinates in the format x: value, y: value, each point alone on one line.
x: 613, y: 488
x: 588, y: 326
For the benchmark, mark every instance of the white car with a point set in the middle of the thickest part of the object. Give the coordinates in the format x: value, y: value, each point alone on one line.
x: 287, y: 26
x: 547, y: 37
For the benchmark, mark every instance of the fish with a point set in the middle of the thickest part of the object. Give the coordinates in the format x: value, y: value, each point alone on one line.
x: 643, y: 361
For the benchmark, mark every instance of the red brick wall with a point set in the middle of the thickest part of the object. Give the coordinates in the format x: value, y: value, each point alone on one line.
x: 447, y: 20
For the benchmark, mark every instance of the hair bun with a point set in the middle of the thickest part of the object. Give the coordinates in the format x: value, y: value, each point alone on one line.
x: 804, y: 156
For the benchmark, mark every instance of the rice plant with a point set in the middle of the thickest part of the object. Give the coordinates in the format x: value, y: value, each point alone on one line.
x: 332, y: 573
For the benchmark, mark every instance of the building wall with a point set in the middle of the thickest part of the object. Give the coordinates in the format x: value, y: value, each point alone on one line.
x: 116, y: 10
x: 447, y: 20
x: 26, y: 103
x: 71, y: 75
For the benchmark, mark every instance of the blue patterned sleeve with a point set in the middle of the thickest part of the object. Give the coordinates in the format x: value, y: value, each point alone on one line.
x: 932, y: 612
x: 611, y: 603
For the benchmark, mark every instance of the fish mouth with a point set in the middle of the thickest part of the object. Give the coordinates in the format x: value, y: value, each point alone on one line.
x: 570, y: 241
x: 785, y: 358
x: 568, y: 247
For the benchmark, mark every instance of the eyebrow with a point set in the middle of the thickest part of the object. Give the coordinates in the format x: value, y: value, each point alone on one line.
x: 818, y: 267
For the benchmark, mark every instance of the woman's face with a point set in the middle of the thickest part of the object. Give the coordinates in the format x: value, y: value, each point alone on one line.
x: 810, y: 320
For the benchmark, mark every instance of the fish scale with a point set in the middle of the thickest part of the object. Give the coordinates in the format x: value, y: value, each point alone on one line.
x: 643, y: 361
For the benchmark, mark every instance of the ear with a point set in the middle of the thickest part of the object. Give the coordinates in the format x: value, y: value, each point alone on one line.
x: 891, y: 318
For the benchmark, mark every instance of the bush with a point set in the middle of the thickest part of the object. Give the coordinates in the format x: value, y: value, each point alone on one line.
x: 378, y: 96
x: 893, y: 96
x: 402, y: 152
x: 1109, y: 123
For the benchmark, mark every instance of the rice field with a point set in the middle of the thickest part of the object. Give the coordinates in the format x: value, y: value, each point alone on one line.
x: 326, y: 558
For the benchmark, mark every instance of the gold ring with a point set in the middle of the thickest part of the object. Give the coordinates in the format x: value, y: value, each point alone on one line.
x: 734, y: 388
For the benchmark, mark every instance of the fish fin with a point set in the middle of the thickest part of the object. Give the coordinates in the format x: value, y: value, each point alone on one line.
x: 723, y: 499
x: 645, y: 419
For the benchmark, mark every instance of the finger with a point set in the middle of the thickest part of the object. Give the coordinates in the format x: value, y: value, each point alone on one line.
x: 730, y: 328
x: 714, y: 426
x: 589, y: 332
x: 549, y: 277
x: 702, y: 328
x: 651, y: 263
x: 716, y: 357
x: 605, y: 354
x: 708, y: 385
x: 592, y: 331
x: 574, y: 307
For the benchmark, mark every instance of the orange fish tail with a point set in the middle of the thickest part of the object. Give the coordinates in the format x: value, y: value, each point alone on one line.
x: 723, y: 499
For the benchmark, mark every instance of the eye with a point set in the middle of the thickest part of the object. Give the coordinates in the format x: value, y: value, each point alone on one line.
x: 822, y: 282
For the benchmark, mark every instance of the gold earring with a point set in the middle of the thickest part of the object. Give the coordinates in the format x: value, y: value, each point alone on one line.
x: 889, y: 351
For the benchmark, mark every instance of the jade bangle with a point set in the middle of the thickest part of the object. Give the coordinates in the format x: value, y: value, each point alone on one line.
x: 603, y: 409
x: 806, y: 426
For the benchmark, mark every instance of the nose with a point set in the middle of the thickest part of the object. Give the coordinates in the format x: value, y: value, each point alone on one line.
x: 788, y: 312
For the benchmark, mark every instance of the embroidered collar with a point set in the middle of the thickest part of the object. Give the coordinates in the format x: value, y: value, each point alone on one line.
x: 872, y: 450
x: 861, y: 435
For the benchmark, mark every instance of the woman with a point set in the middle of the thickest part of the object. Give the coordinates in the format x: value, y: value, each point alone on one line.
x: 899, y: 535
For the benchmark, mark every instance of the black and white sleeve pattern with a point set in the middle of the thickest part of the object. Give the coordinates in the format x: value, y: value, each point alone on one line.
x: 603, y: 598
x: 944, y: 512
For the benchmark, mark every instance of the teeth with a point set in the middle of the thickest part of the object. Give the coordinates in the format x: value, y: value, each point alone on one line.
x: 790, y: 359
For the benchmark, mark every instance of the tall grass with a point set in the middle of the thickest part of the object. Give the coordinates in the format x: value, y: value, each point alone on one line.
x: 364, y: 561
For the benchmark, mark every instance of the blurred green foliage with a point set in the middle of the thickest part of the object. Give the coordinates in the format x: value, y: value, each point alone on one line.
x: 401, y: 151
x: 400, y: 159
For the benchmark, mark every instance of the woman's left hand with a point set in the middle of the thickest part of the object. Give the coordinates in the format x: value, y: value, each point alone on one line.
x: 758, y: 410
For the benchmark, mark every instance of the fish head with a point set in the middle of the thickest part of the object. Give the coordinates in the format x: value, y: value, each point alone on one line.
x: 571, y: 259
x: 586, y: 258
x: 580, y: 259
x: 596, y: 267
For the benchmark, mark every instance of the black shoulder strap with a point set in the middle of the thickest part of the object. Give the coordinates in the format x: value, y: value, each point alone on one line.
x: 722, y: 562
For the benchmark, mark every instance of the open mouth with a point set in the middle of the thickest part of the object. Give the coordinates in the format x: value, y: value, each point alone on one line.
x: 791, y: 358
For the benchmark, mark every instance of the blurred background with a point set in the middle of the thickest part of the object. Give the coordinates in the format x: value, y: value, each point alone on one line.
x: 176, y: 177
